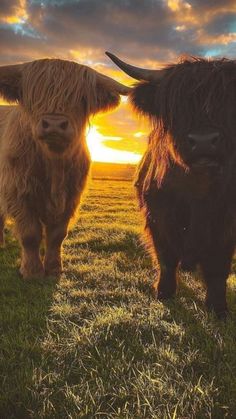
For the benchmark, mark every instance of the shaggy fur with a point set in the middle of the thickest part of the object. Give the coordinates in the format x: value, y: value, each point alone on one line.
x: 39, y: 189
x: 190, y: 214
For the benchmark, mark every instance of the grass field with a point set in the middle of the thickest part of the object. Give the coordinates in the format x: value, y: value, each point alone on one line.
x: 95, y: 344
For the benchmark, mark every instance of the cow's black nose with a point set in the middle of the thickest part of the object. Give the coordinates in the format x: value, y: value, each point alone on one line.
x: 204, y: 142
x: 54, y: 124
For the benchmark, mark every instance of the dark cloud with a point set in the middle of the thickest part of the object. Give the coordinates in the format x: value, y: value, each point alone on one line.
x: 18, y: 46
x: 149, y: 30
x: 223, y: 24
x: 211, y: 4
x: 8, y: 7
x: 104, y: 24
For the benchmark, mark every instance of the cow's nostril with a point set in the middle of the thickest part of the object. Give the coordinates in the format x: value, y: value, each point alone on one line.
x: 45, y: 124
x: 64, y: 125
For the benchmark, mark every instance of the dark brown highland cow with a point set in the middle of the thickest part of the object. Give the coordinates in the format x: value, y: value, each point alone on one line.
x: 187, y: 178
x: 44, y: 160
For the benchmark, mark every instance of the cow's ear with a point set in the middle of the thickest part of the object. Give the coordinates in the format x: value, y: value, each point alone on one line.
x: 108, y: 93
x: 144, y: 98
x: 10, y: 82
x: 107, y: 97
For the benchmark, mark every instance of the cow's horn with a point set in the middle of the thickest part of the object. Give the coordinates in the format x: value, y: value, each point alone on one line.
x: 136, y: 72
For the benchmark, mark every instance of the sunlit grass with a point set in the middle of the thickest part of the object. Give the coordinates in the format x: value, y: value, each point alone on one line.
x: 96, y: 345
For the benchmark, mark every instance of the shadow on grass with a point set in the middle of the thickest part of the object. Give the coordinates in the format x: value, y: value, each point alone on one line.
x: 142, y: 360
x: 126, y: 241
x: 213, y: 341
x: 114, y: 348
x: 205, y: 348
x: 23, y: 313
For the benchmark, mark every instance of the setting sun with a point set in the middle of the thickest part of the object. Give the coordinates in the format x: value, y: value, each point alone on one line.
x: 100, y: 153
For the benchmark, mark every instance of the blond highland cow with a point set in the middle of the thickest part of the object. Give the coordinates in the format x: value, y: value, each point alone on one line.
x: 44, y: 160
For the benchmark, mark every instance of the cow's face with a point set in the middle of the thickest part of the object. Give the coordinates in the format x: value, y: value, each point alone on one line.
x: 200, y: 145
x: 193, y: 109
x: 55, y: 132
x: 57, y: 97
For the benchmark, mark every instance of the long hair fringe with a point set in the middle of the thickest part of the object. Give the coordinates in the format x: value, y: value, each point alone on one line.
x: 58, y: 86
x: 190, y: 88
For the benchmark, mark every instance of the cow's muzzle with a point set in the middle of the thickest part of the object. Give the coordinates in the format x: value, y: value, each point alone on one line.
x: 204, y: 150
x: 55, y: 131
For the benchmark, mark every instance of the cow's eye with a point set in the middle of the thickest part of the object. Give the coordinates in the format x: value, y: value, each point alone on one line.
x: 45, y: 124
x: 64, y: 125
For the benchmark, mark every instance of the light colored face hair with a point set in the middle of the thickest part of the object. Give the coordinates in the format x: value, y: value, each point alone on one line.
x: 52, y: 87
x: 57, y: 86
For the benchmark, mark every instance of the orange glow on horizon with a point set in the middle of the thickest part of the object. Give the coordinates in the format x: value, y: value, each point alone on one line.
x: 100, y: 153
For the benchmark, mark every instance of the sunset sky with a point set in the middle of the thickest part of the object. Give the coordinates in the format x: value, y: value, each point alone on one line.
x: 147, y: 33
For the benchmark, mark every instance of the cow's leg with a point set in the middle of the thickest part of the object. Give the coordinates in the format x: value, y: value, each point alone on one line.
x: 163, y: 231
x: 2, y: 242
x: 215, y: 266
x: 29, y: 231
x: 163, y: 237
x: 55, y: 234
x: 165, y: 285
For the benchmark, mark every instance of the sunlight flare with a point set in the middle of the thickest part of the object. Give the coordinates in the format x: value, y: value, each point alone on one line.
x: 20, y: 15
x: 100, y: 153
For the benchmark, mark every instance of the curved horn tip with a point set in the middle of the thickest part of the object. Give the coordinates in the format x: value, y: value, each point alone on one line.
x: 136, y: 72
x: 109, y: 54
x: 114, y: 58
